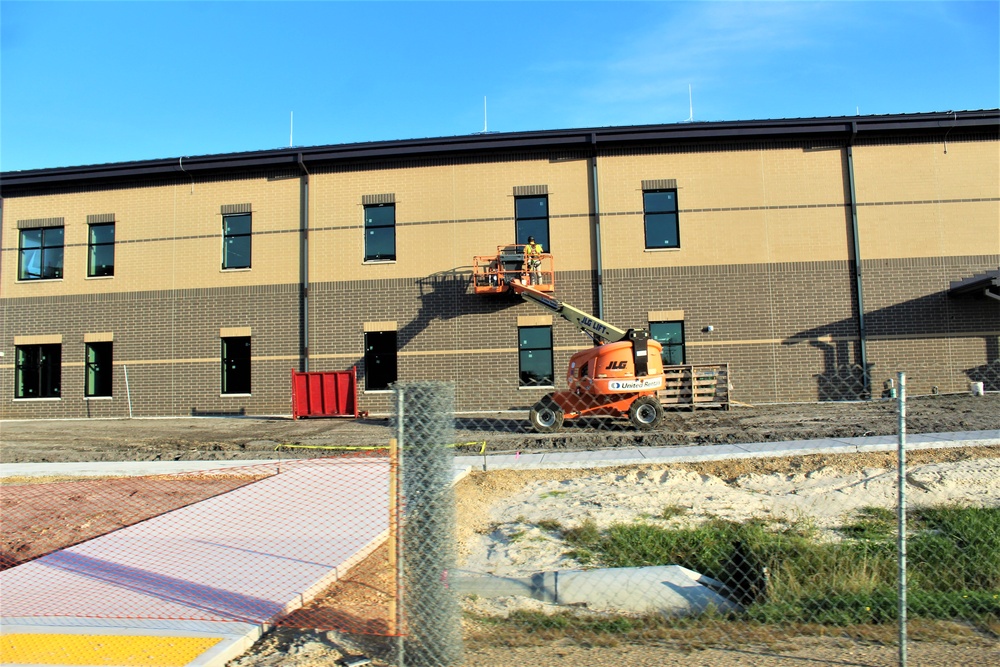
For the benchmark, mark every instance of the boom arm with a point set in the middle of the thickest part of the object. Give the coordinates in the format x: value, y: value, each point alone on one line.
x: 598, y: 329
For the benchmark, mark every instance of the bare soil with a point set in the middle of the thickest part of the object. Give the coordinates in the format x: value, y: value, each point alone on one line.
x: 245, y: 438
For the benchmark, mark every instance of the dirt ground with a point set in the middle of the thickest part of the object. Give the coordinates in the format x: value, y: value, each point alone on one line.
x: 243, y: 438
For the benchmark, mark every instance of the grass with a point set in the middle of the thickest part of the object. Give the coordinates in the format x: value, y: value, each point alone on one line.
x: 784, y: 573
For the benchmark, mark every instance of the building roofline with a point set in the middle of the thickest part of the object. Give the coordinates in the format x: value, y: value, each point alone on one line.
x: 843, y: 128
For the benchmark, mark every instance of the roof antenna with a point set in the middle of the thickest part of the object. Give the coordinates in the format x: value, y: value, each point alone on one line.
x: 291, y: 127
x: 485, y: 126
x: 690, y: 118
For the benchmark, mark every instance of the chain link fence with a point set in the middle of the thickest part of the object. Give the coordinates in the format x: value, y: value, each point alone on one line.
x: 689, y: 520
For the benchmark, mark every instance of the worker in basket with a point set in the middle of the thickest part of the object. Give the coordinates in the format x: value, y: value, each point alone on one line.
x: 533, y: 261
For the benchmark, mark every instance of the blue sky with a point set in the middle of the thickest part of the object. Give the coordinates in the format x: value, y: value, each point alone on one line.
x: 90, y: 83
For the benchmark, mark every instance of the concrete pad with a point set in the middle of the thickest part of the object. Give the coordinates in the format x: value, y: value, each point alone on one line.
x: 121, y: 468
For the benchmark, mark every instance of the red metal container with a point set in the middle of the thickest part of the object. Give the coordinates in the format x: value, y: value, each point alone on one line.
x: 325, y: 394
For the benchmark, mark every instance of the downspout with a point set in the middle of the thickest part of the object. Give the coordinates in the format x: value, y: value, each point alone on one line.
x: 304, y: 262
x: 858, y: 285
x: 596, y: 206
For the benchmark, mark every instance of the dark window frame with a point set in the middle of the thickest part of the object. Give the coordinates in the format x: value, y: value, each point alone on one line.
x: 668, y: 348
x: 38, y: 371
x: 655, y: 213
x: 230, y: 238
x: 526, y: 348
x: 381, y: 360
x: 93, y: 248
x: 526, y: 225
x: 45, y: 251
x: 99, y: 379
x: 374, y: 223
x: 236, y: 366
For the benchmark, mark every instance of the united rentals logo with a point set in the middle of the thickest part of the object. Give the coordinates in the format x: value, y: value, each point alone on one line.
x: 635, y: 385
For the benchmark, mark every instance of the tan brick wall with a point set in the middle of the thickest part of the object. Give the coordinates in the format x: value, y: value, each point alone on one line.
x: 166, y: 237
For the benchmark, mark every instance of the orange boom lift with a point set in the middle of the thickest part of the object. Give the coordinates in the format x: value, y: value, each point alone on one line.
x: 618, y: 378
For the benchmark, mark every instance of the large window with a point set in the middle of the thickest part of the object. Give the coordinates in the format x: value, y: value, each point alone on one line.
x: 660, y: 216
x: 41, y: 254
x: 236, y: 231
x: 101, y: 250
x: 380, y: 232
x: 671, y: 336
x: 531, y: 216
x: 236, y: 365
x: 535, y: 356
x: 380, y: 359
x: 39, y: 371
x: 99, y: 378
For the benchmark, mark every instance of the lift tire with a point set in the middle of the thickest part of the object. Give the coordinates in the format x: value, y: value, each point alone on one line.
x: 546, y: 416
x: 645, y: 413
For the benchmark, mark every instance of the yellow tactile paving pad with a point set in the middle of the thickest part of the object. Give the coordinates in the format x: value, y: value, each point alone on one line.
x: 125, y: 650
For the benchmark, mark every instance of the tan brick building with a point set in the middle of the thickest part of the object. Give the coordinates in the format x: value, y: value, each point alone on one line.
x: 204, y: 281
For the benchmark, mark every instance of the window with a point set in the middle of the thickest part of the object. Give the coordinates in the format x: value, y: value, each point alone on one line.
x: 99, y: 367
x: 41, y: 255
x: 236, y: 365
x: 535, y: 350
x: 380, y: 359
x: 671, y: 336
x: 39, y: 371
x: 531, y: 216
x: 236, y: 230
x: 380, y: 232
x: 101, y: 250
x: 660, y: 216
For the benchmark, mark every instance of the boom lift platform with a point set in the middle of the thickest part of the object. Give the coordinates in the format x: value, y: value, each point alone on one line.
x: 492, y: 273
x: 618, y: 378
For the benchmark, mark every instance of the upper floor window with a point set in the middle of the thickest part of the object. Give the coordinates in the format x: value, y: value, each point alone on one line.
x: 41, y: 254
x: 671, y: 336
x: 101, y: 250
x: 535, y: 356
x: 380, y: 231
x: 236, y: 232
x: 38, y: 372
x: 660, y: 218
x: 531, y: 216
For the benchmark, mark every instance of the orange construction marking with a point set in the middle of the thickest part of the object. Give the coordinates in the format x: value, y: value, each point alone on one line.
x: 126, y: 650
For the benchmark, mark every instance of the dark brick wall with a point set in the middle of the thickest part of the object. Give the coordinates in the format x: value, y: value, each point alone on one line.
x: 788, y: 331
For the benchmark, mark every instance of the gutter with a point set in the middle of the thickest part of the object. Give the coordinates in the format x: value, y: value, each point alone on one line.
x: 858, y: 284
x: 304, y: 263
x: 596, y: 207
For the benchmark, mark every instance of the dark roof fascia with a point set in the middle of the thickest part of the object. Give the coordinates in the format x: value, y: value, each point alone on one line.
x: 842, y: 128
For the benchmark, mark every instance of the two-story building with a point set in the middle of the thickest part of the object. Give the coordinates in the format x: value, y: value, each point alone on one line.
x: 801, y: 252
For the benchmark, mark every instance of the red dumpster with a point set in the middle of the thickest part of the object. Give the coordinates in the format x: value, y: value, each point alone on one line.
x: 325, y: 394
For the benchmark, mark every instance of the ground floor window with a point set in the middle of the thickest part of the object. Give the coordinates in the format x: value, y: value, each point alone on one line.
x: 671, y: 336
x: 99, y: 378
x: 535, y: 356
x: 236, y: 365
x: 380, y: 359
x: 39, y: 371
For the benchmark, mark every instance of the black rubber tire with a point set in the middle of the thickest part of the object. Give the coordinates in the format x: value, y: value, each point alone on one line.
x: 645, y: 413
x: 546, y: 416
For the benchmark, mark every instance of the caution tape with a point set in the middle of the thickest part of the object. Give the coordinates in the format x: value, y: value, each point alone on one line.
x: 355, y: 448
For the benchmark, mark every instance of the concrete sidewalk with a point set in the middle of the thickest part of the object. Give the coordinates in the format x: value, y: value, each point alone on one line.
x: 103, y: 602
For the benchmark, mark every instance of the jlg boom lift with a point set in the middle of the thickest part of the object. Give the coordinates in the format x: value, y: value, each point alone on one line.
x: 618, y: 378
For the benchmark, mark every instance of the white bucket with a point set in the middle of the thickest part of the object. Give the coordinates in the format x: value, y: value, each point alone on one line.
x: 976, y: 388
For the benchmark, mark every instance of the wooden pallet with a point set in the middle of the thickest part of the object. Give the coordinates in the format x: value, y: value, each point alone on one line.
x: 695, y: 386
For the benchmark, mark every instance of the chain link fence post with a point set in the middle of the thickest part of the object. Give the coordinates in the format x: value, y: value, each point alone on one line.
x: 901, y: 379
x: 426, y: 433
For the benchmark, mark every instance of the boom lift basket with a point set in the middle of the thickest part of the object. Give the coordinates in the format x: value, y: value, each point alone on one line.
x: 491, y: 273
